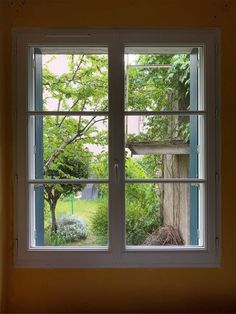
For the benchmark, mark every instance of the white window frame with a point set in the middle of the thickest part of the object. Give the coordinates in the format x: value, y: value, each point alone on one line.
x: 116, y: 255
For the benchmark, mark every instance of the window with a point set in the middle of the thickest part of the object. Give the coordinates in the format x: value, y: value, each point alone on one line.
x: 117, y: 148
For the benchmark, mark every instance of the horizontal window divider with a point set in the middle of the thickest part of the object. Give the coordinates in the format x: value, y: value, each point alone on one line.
x: 68, y: 113
x: 66, y: 181
x: 166, y: 180
x: 165, y: 113
x: 102, y: 249
x: 144, y: 66
x: 171, y: 248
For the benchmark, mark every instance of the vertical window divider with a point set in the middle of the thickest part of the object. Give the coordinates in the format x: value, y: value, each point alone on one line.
x: 116, y: 142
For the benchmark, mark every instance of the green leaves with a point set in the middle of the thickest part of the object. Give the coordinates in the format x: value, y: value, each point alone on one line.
x: 149, y: 87
x: 82, y: 86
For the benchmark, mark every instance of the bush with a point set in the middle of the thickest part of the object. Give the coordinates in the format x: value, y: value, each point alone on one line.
x: 142, y: 208
x: 140, y: 222
x: 70, y: 228
x: 100, y: 223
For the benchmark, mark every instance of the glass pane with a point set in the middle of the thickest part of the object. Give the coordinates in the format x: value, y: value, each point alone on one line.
x: 72, y: 80
x: 164, y: 146
x: 159, y: 79
x: 164, y: 214
x: 69, y: 147
x: 70, y: 215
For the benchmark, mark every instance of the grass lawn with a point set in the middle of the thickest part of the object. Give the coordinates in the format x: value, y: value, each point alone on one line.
x: 83, y: 209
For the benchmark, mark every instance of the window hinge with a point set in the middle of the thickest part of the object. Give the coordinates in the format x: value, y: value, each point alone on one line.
x: 16, y: 243
x: 216, y: 177
x: 34, y: 63
x: 216, y: 113
x: 217, y: 242
x: 16, y: 178
x: 216, y: 49
x: 35, y: 149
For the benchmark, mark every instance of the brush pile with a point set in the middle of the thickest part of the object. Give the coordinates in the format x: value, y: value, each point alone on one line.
x: 165, y: 235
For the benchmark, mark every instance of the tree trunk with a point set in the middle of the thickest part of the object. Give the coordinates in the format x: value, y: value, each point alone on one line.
x: 53, y: 215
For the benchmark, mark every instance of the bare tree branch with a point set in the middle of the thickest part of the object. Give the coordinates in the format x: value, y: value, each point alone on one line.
x: 73, y: 105
x: 75, y: 137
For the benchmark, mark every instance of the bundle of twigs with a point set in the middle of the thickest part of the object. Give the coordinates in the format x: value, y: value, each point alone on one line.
x: 165, y: 235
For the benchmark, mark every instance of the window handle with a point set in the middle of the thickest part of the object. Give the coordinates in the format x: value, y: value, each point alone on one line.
x: 116, y: 167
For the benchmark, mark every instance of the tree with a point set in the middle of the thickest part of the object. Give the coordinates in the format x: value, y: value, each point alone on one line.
x: 82, y: 87
x: 69, y: 164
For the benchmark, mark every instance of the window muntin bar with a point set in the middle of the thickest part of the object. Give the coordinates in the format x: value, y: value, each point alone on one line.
x: 67, y: 113
x: 165, y: 113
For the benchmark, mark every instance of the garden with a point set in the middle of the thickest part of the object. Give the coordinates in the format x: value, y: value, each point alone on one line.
x: 76, y: 146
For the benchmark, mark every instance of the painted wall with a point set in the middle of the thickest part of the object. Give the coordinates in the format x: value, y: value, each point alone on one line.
x: 123, y: 290
x: 1, y: 209
x: 3, y: 162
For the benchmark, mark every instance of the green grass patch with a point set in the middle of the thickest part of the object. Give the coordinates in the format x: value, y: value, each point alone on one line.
x: 84, y: 209
x: 81, y: 208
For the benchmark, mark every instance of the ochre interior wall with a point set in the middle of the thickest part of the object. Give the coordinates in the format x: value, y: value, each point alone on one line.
x: 1, y: 159
x: 4, y: 178
x: 123, y: 290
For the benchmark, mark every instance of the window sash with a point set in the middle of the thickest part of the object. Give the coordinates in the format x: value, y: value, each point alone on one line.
x: 194, y: 207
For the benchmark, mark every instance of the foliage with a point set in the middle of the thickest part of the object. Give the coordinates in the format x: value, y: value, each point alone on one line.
x: 67, y: 165
x: 142, y: 208
x: 100, y: 223
x: 52, y: 238
x: 152, y: 165
x: 140, y: 222
x: 160, y: 88
x: 133, y: 169
x: 71, y: 229
x: 83, y: 86
x: 100, y: 166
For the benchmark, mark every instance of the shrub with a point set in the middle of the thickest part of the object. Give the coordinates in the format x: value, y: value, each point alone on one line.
x: 70, y: 228
x: 140, y: 222
x: 142, y: 208
x: 100, y: 223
